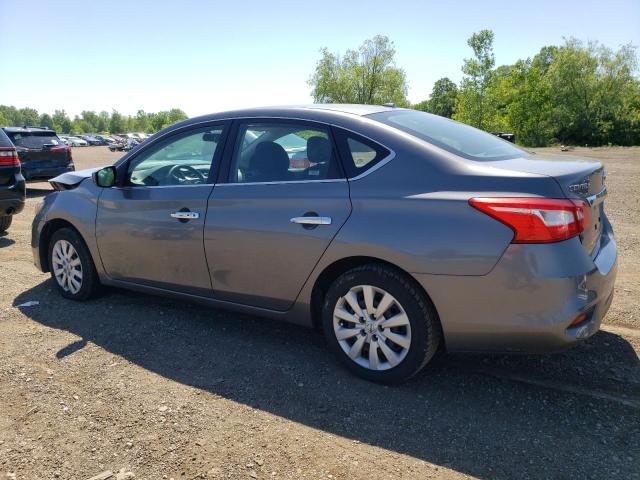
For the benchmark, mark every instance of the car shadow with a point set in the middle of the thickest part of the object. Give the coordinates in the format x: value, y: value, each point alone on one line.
x: 454, y: 415
x: 5, y: 241
x: 38, y: 191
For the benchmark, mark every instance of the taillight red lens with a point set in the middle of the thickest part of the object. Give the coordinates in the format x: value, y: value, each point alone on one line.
x: 537, y: 220
x: 9, y: 157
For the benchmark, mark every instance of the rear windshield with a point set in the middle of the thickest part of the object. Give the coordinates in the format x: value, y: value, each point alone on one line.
x: 33, y: 139
x: 452, y: 136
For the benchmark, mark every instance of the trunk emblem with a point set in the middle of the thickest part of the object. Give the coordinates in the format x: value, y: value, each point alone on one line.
x: 582, y: 187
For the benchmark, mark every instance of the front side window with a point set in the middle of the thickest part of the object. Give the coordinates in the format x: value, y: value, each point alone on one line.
x: 283, y: 152
x: 452, y: 136
x: 184, y: 159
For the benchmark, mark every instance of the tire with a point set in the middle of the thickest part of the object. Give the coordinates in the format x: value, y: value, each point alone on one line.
x: 78, y: 259
x: 5, y: 223
x: 415, y: 324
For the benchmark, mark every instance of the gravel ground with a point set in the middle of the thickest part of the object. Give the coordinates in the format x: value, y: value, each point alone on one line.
x: 161, y: 389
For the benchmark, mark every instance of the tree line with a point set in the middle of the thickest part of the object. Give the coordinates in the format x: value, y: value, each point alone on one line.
x: 576, y: 93
x: 90, y: 121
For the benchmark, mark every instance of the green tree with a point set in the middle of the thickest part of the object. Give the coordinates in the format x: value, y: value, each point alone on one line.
x: 368, y: 75
x: 442, y: 100
x: 593, y: 93
x: 103, y: 122
x: 90, y: 120
x: 61, y: 122
x: 116, y: 123
x: 45, y: 120
x: 472, y: 105
x: 29, y: 116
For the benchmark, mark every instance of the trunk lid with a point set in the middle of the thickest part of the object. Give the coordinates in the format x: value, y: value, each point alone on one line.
x: 579, y: 179
x: 40, y: 151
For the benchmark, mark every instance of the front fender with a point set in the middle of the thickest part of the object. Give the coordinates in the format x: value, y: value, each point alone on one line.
x: 76, y: 208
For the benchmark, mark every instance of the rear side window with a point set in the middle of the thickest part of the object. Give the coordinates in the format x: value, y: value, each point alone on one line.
x: 4, y: 140
x: 34, y: 139
x: 359, y: 154
x: 283, y: 152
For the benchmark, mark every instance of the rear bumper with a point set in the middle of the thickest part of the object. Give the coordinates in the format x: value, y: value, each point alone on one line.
x: 12, y: 196
x: 528, y: 301
x: 45, y: 172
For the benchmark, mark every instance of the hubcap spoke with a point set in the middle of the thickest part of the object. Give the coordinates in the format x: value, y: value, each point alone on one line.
x: 396, y: 321
x: 367, y: 291
x: 352, y: 300
x: 383, y: 306
x: 373, y: 356
x: 400, y: 340
x: 342, y: 314
x: 392, y: 357
x: 356, y: 348
x: 344, y: 333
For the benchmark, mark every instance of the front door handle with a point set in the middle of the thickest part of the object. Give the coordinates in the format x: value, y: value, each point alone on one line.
x: 185, y: 215
x: 312, y: 220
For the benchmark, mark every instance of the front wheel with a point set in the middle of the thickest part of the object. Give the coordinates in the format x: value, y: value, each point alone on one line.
x: 71, y: 266
x: 5, y: 223
x: 380, y: 324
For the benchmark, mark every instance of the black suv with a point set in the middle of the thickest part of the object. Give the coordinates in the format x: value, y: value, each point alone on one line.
x: 42, y: 154
x: 12, y: 185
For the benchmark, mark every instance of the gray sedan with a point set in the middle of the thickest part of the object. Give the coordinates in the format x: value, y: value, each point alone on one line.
x: 396, y: 232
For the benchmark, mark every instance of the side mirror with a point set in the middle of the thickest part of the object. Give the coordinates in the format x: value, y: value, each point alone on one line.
x: 105, y: 177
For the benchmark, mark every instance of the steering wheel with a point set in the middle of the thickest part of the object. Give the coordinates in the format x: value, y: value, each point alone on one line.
x: 186, y: 174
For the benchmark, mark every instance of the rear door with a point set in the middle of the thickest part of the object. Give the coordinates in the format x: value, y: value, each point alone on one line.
x: 271, y: 216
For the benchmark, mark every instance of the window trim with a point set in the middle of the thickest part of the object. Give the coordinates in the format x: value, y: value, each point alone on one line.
x: 122, y: 168
x: 233, y: 145
x: 342, y: 135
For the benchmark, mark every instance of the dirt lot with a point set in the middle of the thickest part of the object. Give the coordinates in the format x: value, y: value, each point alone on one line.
x: 165, y: 389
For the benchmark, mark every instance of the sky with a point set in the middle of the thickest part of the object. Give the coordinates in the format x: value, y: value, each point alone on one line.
x: 207, y: 56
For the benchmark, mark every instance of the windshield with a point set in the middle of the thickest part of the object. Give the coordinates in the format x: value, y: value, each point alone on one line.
x: 33, y: 139
x: 452, y: 136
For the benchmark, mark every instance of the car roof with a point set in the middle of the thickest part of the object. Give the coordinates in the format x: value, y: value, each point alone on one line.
x: 317, y: 111
x: 27, y: 129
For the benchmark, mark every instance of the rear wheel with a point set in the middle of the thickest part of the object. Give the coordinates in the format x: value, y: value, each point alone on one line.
x: 71, y: 266
x: 380, y: 324
x: 5, y: 223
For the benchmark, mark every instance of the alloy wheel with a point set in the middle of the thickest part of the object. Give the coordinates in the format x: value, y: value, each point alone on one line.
x: 372, y: 327
x: 67, y: 267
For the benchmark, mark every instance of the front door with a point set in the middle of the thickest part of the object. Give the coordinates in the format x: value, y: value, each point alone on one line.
x: 283, y: 202
x: 149, y: 228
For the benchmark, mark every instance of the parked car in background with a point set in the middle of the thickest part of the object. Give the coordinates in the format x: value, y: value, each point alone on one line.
x: 77, y: 142
x: 12, y: 184
x: 64, y: 139
x: 42, y: 154
x: 91, y: 140
x: 405, y: 232
x: 106, y: 140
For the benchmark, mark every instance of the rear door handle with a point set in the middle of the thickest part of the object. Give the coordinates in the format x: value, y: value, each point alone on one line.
x: 312, y: 220
x: 185, y: 215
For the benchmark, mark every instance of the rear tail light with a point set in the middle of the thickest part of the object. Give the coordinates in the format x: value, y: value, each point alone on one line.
x: 578, y: 320
x: 537, y: 220
x: 64, y: 149
x: 9, y: 157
